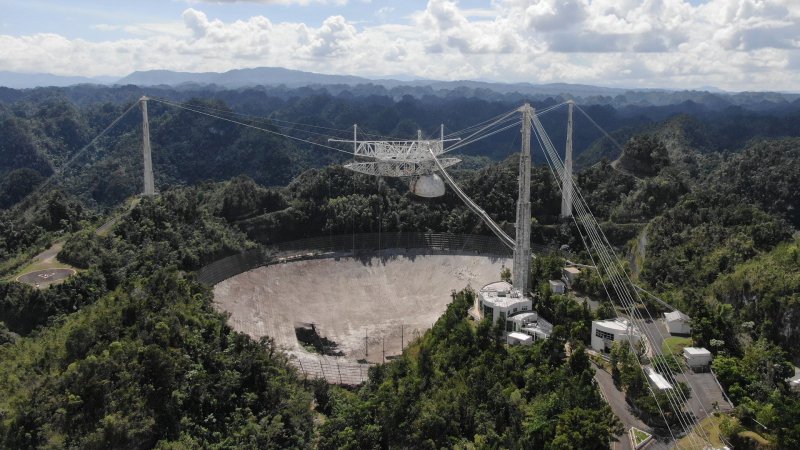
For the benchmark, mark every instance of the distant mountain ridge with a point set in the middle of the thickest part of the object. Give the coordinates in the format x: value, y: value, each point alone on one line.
x: 239, y: 78
x: 273, y: 76
x: 17, y: 80
x: 278, y: 77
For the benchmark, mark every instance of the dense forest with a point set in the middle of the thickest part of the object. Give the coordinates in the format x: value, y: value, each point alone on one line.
x: 130, y: 353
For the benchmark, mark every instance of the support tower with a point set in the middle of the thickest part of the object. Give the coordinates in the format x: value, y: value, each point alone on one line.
x: 149, y: 184
x: 522, y: 249
x: 566, y: 185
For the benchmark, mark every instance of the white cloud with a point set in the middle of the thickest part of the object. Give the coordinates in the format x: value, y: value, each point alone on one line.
x: 276, y: 2
x: 733, y: 44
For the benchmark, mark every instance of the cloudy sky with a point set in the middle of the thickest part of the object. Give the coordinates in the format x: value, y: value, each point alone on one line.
x: 730, y: 44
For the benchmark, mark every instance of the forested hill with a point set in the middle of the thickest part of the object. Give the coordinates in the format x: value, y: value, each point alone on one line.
x: 43, y: 128
x: 130, y: 352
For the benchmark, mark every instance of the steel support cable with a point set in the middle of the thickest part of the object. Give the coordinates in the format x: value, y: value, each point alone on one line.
x: 543, y: 111
x: 673, y: 378
x: 479, y: 124
x: 605, y: 287
x: 501, y: 119
x: 663, y: 367
x: 224, y: 113
x: 559, y: 168
x: 505, y: 238
x: 477, y: 136
x: 557, y: 178
x: 272, y: 121
x: 473, y: 127
x: 683, y: 421
x: 464, y: 143
x: 258, y: 119
x: 612, y: 269
x: 255, y: 127
x: 56, y: 173
x: 469, y: 129
x: 615, y: 273
x: 602, y: 130
x: 611, y: 138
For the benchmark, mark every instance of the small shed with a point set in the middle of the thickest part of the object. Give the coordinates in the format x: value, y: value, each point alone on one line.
x: 570, y: 274
x: 697, y: 357
x: 515, y: 338
x: 678, y: 323
x: 794, y: 381
x: 558, y: 286
x: 658, y: 380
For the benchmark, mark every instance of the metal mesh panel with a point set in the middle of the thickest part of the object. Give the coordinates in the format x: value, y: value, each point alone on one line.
x: 353, y: 244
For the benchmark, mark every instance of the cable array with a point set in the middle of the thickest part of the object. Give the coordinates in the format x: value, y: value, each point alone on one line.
x: 58, y: 172
x: 496, y: 229
x: 622, y: 286
x: 244, y: 124
x: 586, y: 223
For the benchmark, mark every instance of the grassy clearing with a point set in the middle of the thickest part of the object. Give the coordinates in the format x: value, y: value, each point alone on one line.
x: 46, y: 260
x: 755, y: 437
x: 601, y: 363
x: 675, y: 345
x: 710, y: 430
x: 639, y: 436
x: 43, y: 261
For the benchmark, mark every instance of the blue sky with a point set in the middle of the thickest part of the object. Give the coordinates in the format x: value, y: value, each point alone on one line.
x: 732, y: 44
x: 79, y: 18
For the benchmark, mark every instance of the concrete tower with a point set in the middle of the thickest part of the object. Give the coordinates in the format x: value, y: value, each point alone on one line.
x: 149, y: 184
x: 566, y: 185
x: 522, y: 249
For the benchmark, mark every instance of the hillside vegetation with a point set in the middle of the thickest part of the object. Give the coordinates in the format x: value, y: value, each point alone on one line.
x: 130, y: 353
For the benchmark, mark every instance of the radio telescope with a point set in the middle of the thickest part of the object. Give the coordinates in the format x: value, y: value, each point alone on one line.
x: 412, y: 159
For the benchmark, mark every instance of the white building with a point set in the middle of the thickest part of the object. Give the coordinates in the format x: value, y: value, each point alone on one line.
x: 557, y: 286
x: 531, y: 324
x: 515, y: 338
x: 606, y: 332
x: 678, y: 323
x: 501, y: 302
x: 570, y: 274
x: 658, y: 380
x: 697, y: 358
x: 794, y: 381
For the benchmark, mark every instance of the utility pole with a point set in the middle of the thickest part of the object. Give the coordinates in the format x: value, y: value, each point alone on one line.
x: 522, y: 248
x: 383, y: 343
x: 566, y: 185
x: 149, y: 184
x: 402, y: 340
x: 366, y: 346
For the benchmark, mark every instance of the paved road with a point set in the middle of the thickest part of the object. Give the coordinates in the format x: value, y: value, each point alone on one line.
x: 657, y: 330
x: 49, y: 255
x: 616, y: 400
x: 103, y: 229
x: 705, y: 393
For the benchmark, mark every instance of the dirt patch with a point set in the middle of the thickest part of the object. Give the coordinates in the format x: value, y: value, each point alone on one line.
x: 46, y: 277
x: 370, y: 306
